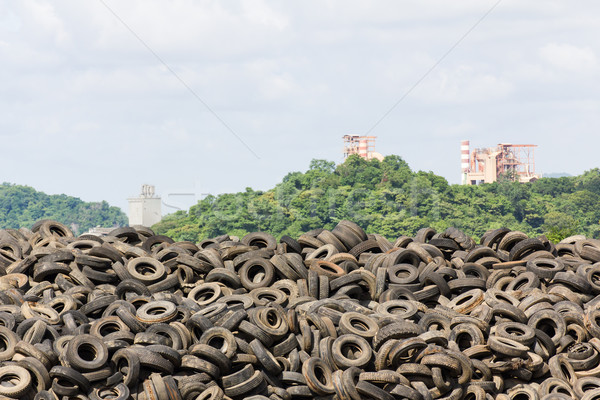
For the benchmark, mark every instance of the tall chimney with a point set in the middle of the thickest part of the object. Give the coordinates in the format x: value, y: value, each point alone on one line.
x: 464, y: 160
x: 363, y: 148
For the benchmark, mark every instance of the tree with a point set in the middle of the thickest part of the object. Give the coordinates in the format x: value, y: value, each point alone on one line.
x: 590, y: 180
x: 395, y: 172
x: 559, y: 225
x: 508, y: 176
x: 21, y: 206
x: 358, y: 172
x: 387, y: 197
x: 553, y: 186
x: 321, y: 165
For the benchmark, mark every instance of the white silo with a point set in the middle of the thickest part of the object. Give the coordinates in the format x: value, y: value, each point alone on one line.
x: 146, y: 209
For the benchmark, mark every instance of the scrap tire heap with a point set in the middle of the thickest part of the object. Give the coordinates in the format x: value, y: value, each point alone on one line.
x: 337, y: 314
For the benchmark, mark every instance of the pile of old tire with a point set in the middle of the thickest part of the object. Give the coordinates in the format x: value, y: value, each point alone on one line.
x: 333, y: 314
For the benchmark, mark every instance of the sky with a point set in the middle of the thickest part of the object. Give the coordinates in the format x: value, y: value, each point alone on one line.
x: 198, y: 96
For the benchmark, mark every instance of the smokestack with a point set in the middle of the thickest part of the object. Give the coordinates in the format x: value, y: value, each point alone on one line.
x: 363, y: 148
x: 464, y: 160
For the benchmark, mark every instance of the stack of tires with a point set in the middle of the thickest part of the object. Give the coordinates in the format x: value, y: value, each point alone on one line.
x: 336, y: 314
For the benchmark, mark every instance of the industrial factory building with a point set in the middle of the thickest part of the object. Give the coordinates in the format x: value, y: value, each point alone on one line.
x: 485, y: 165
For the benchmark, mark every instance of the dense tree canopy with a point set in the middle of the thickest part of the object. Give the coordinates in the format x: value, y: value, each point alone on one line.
x: 21, y: 206
x: 389, y: 198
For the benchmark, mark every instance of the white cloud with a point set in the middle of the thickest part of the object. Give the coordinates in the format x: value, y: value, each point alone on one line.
x: 568, y: 57
x: 463, y: 84
x: 43, y: 15
x: 9, y: 21
x: 290, y: 78
x: 460, y: 130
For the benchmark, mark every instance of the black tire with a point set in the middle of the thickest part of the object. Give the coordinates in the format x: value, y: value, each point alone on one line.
x: 127, y: 363
x: 154, y: 312
x: 368, y: 245
x: 374, y: 392
x: 360, y: 350
x: 86, y: 353
x: 146, y: 270
x: 321, y: 385
x: 265, y: 358
x: 545, y: 268
x: 18, y: 380
x: 261, y: 240
x: 8, y: 340
x: 241, y: 389
x: 397, y: 330
x: 37, y: 369
x: 60, y: 373
x: 524, y: 247
x: 292, y: 244
x: 358, y: 324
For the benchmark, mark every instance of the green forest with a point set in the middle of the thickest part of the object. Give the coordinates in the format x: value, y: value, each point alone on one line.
x: 389, y: 198
x: 21, y: 206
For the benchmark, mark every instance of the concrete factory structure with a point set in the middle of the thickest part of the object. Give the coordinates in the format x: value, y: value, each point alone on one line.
x: 364, y: 146
x: 146, y: 209
x: 486, y: 165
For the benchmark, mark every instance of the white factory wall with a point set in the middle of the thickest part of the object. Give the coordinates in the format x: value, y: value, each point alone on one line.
x: 144, y: 211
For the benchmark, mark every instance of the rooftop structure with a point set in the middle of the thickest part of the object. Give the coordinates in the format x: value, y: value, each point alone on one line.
x: 364, y: 146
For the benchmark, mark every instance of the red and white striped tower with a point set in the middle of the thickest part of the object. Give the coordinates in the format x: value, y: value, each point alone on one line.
x: 363, y: 150
x: 464, y: 160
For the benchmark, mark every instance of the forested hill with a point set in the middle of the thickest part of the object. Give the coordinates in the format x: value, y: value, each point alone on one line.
x: 389, y: 198
x: 21, y: 206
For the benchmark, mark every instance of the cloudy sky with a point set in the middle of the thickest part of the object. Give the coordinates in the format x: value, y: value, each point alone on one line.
x: 195, y: 96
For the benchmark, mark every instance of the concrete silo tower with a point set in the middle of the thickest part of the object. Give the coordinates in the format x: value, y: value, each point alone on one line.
x: 146, y: 209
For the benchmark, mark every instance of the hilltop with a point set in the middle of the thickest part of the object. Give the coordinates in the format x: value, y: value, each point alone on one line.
x: 389, y: 198
x: 21, y: 206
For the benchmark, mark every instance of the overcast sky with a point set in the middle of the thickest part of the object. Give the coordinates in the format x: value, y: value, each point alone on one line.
x: 88, y: 110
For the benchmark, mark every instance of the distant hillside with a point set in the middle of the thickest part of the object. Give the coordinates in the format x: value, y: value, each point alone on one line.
x: 557, y: 175
x: 21, y: 206
x: 389, y: 198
